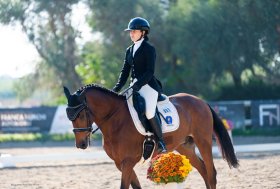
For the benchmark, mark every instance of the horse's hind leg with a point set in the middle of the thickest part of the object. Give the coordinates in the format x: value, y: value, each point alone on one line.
x: 195, y: 161
x: 205, y: 149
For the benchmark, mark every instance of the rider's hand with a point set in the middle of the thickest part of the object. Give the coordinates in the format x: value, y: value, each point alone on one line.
x: 136, y: 87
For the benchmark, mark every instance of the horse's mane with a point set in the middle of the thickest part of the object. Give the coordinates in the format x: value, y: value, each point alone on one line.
x: 100, y: 88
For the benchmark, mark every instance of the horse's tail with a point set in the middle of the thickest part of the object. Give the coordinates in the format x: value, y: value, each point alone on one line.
x: 224, y: 141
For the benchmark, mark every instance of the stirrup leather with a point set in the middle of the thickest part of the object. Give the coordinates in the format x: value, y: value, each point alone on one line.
x: 161, y: 147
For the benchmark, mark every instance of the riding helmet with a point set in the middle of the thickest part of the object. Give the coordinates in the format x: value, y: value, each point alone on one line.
x: 138, y: 23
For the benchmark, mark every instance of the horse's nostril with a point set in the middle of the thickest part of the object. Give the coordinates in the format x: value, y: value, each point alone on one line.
x: 84, y: 145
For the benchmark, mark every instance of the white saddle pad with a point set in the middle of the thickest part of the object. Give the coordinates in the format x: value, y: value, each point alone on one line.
x: 166, y: 108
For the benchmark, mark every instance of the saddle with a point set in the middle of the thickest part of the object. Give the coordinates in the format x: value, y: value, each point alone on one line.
x: 168, y: 114
x: 140, y: 106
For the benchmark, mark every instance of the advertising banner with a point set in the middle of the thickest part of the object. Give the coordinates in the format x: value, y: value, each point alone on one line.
x: 265, y: 113
x: 60, y: 123
x: 233, y: 111
x: 26, y: 120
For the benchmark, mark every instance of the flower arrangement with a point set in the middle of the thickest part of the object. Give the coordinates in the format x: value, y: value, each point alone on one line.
x: 169, y: 167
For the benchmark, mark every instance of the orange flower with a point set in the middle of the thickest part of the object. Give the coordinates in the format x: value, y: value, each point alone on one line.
x: 169, y: 167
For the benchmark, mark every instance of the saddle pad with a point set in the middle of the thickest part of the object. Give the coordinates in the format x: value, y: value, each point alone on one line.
x: 166, y: 108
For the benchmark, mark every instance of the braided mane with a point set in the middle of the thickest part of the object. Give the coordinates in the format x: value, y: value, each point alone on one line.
x: 98, y: 87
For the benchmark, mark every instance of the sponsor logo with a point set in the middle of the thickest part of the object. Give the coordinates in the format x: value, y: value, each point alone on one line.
x: 270, y: 113
x: 166, y: 110
x: 168, y: 120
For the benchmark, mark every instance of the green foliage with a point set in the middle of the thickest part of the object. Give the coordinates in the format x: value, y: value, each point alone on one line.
x: 94, y: 66
x: 38, y: 84
x: 19, y: 137
x: 111, y: 23
x: 202, y: 46
x: 24, y: 87
x: 216, y: 49
x: 6, y: 88
x: 221, y: 38
x: 266, y: 131
x: 48, y: 26
x: 12, y: 11
x: 255, y: 90
x: 28, y: 137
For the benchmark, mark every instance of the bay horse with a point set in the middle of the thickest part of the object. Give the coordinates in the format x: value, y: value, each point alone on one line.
x: 124, y: 144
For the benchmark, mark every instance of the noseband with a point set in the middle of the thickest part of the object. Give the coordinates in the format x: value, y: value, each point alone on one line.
x: 89, y: 126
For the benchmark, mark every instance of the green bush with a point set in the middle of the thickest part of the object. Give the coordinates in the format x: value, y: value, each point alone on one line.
x: 28, y: 137
x: 254, y: 90
x: 250, y: 131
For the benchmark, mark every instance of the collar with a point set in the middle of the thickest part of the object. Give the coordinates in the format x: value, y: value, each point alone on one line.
x: 139, y: 41
x: 136, y: 45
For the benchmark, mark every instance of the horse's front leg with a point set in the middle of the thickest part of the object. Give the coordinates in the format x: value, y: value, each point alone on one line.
x: 128, y: 174
x: 134, y: 181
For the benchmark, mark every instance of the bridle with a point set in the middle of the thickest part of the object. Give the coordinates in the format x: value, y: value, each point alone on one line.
x: 72, y: 114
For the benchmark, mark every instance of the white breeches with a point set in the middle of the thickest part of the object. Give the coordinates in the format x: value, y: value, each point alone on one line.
x: 150, y: 95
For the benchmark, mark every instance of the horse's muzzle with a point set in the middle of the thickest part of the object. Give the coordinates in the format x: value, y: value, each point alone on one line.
x: 82, y: 145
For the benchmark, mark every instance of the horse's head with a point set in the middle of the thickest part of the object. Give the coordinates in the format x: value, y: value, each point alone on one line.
x: 79, y: 113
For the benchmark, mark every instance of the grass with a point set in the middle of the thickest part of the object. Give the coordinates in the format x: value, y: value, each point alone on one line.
x: 30, y: 137
x: 249, y: 131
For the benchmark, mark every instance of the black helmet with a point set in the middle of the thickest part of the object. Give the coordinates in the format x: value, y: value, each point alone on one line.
x: 138, y: 23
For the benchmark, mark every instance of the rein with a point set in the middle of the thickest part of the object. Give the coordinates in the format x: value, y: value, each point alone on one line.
x: 74, y: 111
x: 78, y: 109
x: 106, y: 118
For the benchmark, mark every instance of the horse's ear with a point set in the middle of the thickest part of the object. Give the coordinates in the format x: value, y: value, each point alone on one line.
x: 82, y: 96
x: 66, y: 92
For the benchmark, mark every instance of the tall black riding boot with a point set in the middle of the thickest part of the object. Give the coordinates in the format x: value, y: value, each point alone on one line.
x: 155, y: 123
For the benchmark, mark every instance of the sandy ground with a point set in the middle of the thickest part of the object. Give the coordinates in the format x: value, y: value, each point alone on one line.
x: 257, y: 171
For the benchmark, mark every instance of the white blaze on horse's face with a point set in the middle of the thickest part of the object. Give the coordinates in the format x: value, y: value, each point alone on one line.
x: 81, y: 137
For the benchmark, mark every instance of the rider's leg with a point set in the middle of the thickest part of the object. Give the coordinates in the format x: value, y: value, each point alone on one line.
x: 150, y: 95
x: 155, y: 123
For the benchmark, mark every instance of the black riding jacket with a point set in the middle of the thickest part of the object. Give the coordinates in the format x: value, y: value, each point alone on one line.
x: 142, y: 67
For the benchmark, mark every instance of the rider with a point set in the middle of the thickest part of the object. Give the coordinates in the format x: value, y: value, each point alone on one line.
x: 140, y: 59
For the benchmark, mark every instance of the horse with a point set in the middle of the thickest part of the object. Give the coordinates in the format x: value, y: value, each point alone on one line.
x: 124, y: 144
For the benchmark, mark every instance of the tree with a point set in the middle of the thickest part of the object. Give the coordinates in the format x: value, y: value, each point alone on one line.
x: 264, y: 17
x: 48, y: 27
x: 201, y: 45
x: 34, y: 85
x: 222, y: 40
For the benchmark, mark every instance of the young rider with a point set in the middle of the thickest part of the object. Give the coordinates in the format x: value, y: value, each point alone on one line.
x: 140, y: 60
